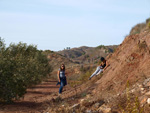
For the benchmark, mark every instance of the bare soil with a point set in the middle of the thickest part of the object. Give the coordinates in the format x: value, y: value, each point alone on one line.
x: 35, y: 100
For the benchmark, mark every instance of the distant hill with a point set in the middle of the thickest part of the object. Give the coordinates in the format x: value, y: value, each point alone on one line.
x: 56, y: 59
x: 86, y: 55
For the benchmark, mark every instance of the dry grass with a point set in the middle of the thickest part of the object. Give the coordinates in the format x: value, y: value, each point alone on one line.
x: 129, y: 103
x: 82, y: 78
x: 137, y: 29
x: 142, y: 45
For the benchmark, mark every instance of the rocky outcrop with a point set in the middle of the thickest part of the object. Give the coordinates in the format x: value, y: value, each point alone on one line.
x: 130, y: 63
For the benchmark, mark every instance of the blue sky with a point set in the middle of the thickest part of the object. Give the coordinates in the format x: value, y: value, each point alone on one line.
x: 57, y: 24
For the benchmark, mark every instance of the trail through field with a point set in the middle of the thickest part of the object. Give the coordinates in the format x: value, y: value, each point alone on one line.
x: 34, y: 100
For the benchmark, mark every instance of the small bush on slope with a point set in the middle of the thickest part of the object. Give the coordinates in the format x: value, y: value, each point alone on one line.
x: 132, y: 104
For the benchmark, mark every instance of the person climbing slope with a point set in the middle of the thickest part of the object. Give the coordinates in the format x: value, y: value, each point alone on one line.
x: 61, y: 78
x: 100, y: 68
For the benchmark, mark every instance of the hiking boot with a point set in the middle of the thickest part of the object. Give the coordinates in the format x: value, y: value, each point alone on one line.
x: 59, y: 94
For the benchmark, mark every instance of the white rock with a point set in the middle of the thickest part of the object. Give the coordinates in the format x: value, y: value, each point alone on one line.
x: 143, y: 92
x: 142, y: 89
x: 63, y: 105
x: 143, y: 99
x: 140, y: 86
x: 148, y: 93
x: 75, y: 106
x: 104, y: 109
x: 148, y: 84
x: 118, y: 94
x: 148, y: 100
x: 88, y: 111
x: 133, y: 90
x: 146, y: 81
x: 81, y: 100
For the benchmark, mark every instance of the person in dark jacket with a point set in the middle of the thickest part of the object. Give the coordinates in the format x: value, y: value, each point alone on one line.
x: 61, y: 78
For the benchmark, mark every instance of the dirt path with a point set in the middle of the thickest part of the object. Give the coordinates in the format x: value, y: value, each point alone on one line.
x: 37, y: 98
x: 34, y: 100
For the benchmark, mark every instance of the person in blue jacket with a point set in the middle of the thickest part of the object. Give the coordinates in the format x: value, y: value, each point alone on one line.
x: 100, y: 68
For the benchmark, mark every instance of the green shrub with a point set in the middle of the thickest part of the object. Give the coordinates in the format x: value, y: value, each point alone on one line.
x: 95, y: 62
x: 72, y: 56
x: 21, y: 66
x: 100, y: 47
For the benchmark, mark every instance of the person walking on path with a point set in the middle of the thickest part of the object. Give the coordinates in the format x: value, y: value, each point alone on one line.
x: 61, y: 78
x: 100, y: 68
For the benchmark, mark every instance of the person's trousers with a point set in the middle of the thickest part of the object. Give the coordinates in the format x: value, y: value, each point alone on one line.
x: 97, y: 72
x: 61, y: 87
